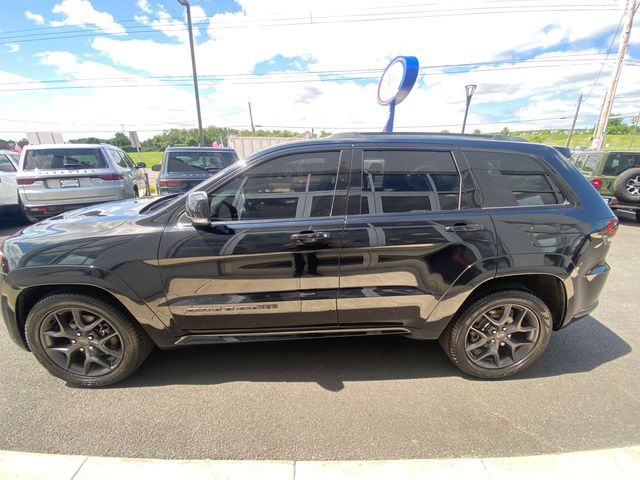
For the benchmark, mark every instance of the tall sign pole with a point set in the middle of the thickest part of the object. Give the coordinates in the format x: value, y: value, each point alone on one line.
x: 603, y: 122
x: 395, y: 84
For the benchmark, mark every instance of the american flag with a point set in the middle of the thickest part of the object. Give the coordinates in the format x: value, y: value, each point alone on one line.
x: 217, y: 144
x: 16, y: 148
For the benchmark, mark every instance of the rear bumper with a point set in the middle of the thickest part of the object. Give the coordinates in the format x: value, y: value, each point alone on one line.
x: 586, y: 292
x: 615, y: 204
x: 8, y: 297
x: 46, y: 211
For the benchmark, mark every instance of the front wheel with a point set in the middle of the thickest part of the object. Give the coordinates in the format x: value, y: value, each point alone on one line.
x: 85, y: 340
x: 499, y: 334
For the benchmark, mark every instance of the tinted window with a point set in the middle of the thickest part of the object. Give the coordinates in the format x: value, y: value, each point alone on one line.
x: 199, y: 161
x: 511, y: 179
x: 409, y: 181
x: 117, y: 158
x: 619, y: 162
x: 287, y: 187
x: 64, y: 158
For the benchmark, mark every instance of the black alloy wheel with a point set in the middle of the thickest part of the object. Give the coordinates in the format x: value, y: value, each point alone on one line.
x: 499, y: 334
x: 85, y: 339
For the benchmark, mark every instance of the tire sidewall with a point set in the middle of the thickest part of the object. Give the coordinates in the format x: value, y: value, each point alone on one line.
x: 620, y: 185
x: 470, y: 316
x: 130, y: 357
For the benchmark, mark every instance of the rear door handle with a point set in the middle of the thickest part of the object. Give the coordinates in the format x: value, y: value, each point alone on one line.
x: 310, y: 236
x: 465, y: 227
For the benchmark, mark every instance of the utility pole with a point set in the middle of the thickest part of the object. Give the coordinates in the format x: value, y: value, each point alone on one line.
x: 573, y: 125
x: 185, y: 3
x: 253, y: 128
x: 603, y: 123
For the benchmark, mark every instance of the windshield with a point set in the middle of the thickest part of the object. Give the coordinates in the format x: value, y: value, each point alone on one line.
x: 200, y: 161
x: 64, y: 159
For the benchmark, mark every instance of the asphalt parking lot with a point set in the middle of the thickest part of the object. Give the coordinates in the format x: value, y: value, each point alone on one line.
x: 370, y: 398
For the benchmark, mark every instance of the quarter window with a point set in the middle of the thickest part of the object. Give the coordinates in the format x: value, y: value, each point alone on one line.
x: 511, y: 180
x: 6, y: 165
x: 293, y: 186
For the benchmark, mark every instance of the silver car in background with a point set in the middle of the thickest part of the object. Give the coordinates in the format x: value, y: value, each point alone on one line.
x: 9, y: 202
x: 56, y: 178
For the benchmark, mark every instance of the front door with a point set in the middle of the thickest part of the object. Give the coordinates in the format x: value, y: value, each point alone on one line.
x: 269, y: 258
x: 413, y: 239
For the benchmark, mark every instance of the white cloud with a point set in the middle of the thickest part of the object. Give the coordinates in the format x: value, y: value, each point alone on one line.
x: 142, y: 19
x: 171, y: 27
x: 34, y: 17
x: 12, y: 47
x: 540, y: 92
x: 144, y: 6
x: 82, y: 12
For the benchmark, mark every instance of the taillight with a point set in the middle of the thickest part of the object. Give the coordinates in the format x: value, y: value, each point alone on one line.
x: 170, y: 183
x: 25, y: 181
x: 612, y: 227
x: 596, y: 182
x: 110, y: 176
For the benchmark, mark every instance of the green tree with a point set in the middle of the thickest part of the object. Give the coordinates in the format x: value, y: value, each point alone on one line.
x: 505, y: 131
x: 477, y: 131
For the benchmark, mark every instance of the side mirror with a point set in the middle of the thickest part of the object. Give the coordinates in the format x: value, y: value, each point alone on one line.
x: 155, y: 168
x: 142, y: 165
x: 197, y: 208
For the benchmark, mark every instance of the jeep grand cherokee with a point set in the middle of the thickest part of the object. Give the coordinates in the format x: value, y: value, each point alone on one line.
x: 486, y: 245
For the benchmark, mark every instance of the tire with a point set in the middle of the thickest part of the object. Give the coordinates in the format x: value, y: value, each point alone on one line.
x: 638, y: 216
x: 23, y: 215
x: 627, y: 186
x: 136, y: 194
x: 532, y: 332
x: 116, y: 346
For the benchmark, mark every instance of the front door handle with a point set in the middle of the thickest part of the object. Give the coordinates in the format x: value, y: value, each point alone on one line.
x: 310, y: 236
x: 464, y: 227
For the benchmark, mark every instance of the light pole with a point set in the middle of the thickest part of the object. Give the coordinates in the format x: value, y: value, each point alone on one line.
x: 470, y: 89
x: 185, y: 3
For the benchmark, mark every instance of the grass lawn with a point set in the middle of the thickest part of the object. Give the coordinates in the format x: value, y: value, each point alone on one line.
x: 613, y: 142
x: 150, y: 158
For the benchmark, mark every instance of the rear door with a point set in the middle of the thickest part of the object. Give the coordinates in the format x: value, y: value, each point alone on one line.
x: 409, y: 236
x: 269, y: 259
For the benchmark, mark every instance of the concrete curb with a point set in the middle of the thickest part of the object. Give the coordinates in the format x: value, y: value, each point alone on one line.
x: 621, y: 463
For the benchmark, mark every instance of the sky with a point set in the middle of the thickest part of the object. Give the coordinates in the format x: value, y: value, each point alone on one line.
x: 94, y: 67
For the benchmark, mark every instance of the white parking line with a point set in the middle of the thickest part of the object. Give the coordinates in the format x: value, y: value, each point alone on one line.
x: 618, y: 464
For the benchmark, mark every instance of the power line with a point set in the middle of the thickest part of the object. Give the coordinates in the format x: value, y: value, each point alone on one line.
x: 534, y: 59
x: 322, y: 20
x: 214, y: 82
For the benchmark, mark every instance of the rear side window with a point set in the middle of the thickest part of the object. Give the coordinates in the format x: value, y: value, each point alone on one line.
x: 509, y: 179
x: 619, y: 162
x: 64, y: 159
x: 5, y: 164
x: 403, y: 181
x: 199, y: 161
x: 590, y: 163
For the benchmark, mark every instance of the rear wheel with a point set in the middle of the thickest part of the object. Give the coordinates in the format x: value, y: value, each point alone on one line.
x: 499, y: 334
x: 85, y: 340
x: 638, y: 216
x: 627, y: 186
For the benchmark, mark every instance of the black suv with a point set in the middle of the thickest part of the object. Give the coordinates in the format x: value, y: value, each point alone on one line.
x: 485, y: 245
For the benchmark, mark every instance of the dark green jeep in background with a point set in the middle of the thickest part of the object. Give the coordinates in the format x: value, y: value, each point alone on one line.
x: 616, y: 175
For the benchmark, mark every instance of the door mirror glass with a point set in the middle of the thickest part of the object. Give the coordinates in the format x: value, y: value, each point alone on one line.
x: 156, y: 168
x: 197, y: 208
x: 142, y: 165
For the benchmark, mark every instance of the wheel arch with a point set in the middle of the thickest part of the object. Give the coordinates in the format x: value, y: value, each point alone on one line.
x: 548, y: 287
x: 28, y: 298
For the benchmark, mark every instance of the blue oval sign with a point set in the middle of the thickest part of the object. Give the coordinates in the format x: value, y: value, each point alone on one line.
x: 397, y: 80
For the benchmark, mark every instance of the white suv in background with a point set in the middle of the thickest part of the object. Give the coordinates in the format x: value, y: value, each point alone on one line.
x: 53, y: 179
x: 9, y: 202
